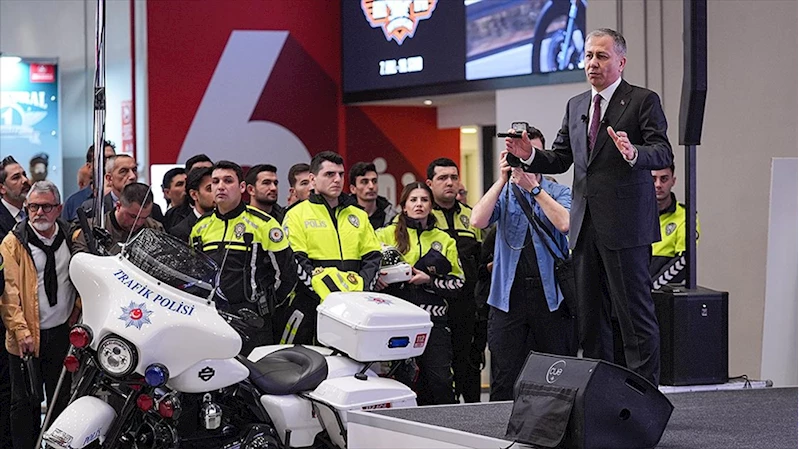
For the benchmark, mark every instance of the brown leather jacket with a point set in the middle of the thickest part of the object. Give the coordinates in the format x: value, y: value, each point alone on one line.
x: 20, y: 301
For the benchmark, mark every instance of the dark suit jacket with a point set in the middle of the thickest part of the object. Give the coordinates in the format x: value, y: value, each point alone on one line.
x: 182, y: 230
x: 621, y: 198
x: 7, y: 222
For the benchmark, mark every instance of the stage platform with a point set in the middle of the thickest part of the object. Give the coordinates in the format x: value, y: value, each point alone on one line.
x: 724, y: 419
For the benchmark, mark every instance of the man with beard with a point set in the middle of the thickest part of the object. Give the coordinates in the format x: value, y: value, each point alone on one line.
x: 452, y: 216
x: 131, y: 213
x: 14, y: 185
x: 38, y: 307
x: 363, y: 184
x: 262, y: 187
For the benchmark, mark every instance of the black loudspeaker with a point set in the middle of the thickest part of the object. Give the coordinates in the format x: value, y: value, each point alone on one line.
x: 694, y: 333
x: 584, y: 404
x: 694, y: 78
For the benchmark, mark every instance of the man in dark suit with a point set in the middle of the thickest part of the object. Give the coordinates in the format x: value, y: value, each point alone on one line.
x: 14, y: 187
x: 200, y: 197
x: 120, y: 170
x: 614, y: 214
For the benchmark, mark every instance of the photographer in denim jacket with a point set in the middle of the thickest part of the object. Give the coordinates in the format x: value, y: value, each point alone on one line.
x: 527, y: 310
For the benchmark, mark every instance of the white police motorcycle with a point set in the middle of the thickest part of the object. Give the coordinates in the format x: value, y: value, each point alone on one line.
x: 156, y: 365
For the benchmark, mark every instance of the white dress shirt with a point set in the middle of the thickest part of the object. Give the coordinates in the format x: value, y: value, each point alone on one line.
x: 50, y: 317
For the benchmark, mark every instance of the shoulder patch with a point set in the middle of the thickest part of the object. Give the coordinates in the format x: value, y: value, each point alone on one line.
x: 276, y: 235
x: 353, y: 220
x: 670, y: 228
x: 464, y: 221
x: 436, y: 246
x: 239, y: 229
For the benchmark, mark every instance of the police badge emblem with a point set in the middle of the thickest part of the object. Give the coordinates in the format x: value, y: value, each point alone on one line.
x: 354, y: 220
x: 317, y: 270
x: 465, y: 221
x: 436, y: 246
x: 351, y: 277
x: 276, y: 235
x: 239, y: 229
x: 670, y: 228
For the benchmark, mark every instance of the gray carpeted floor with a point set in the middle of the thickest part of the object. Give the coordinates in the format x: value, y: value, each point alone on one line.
x: 731, y: 419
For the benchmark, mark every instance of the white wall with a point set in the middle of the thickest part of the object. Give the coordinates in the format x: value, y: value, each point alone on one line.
x: 750, y: 118
x: 779, y: 321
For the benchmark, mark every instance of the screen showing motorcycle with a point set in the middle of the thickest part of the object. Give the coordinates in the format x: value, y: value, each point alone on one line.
x: 457, y: 45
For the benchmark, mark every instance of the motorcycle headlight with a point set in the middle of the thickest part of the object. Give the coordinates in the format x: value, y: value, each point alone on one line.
x: 116, y: 356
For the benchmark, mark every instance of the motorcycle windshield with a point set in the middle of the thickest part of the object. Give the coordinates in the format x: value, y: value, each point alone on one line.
x: 172, y: 262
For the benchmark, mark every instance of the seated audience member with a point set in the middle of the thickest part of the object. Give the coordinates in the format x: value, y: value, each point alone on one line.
x: 71, y: 205
x: 363, y: 185
x: 262, y: 183
x: 39, y: 305
x: 131, y: 213
x: 667, y: 265
x: 200, y: 197
x: 528, y: 312
x: 299, y: 183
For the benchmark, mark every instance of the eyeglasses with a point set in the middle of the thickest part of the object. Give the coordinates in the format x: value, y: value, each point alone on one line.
x: 47, y: 208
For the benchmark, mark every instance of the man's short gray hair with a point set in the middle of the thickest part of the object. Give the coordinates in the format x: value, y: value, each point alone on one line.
x: 111, y: 161
x: 619, y: 44
x: 44, y: 187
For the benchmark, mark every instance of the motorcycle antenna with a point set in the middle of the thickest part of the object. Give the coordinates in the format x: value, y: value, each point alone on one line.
x: 99, y: 162
x: 99, y: 115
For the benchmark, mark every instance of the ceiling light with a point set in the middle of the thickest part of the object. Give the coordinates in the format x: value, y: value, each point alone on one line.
x: 428, y: 102
x: 11, y: 60
x: 469, y: 130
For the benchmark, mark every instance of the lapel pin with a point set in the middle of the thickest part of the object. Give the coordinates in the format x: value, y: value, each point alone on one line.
x: 622, y: 102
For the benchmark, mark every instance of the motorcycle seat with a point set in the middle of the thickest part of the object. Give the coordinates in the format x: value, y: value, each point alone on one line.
x: 287, y: 371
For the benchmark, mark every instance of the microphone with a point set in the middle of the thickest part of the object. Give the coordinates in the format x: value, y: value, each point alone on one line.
x: 584, y: 118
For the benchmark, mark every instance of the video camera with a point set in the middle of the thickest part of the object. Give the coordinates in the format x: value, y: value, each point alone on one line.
x: 518, y: 128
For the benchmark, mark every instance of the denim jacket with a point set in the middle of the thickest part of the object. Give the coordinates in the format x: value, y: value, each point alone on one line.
x: 512, y: 225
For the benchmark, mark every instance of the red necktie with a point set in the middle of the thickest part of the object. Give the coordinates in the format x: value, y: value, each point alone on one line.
x: 595, y: 119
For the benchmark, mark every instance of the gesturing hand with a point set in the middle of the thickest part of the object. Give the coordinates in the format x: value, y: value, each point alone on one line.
x: 521, y: 148
x: 623, y: 144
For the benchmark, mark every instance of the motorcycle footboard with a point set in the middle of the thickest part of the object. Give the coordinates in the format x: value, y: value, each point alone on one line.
x: 85, y: 420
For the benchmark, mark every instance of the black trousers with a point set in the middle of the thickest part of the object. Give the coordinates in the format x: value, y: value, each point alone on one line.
x: 434, y: 386
x: 527, y: 326
x: 5, y: 394
x: 462, y: 322
x: 298, y: 320
x: 616, y: 281
x: 26, y: 412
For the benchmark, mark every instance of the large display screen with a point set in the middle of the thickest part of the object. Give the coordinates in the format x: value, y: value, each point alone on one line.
x: 389, y: 46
